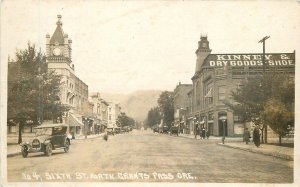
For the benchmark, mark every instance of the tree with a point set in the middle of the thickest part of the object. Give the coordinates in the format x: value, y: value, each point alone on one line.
x: 32, y: 89
x: 254, y: 101
x: 278, y: 117
x: 279, y: 109
x: 154, y: 117
x: 166, y: 107
x: 248, y: 101
x: 124, y: 120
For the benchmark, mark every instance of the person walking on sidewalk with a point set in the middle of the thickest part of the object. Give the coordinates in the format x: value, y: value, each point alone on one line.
x: 207, y: 133
x: 203, y: 133
x: 256, y: 136
x: 247, y: 135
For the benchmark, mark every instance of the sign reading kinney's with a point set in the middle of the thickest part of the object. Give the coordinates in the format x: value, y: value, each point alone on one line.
x: 278, y: 59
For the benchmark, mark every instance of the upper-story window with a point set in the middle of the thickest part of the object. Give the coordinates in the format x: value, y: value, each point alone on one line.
x: 222, y: 93
x: 220, y: 71
x: 208, y: 93
x: 198, y: 88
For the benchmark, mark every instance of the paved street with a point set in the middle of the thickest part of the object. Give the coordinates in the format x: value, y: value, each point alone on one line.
x: 142, y: 156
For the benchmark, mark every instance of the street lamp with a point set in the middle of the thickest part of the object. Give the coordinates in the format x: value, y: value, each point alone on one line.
x: 263, y: 61
x: 223, y: 119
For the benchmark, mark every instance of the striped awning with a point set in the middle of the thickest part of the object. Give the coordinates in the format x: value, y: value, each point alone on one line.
x: 73, y: 121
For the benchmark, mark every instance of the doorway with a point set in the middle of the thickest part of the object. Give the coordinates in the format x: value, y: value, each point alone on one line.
x: 221, y: 128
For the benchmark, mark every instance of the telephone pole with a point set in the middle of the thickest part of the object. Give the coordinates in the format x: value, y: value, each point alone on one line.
x: 264, y: 69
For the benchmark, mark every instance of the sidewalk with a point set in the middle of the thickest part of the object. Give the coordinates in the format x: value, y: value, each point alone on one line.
x: 265, y: 149
x: 15, y: 149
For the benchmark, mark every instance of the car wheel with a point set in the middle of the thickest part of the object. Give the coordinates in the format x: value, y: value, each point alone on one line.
x: 67, y: 146
x: 49, y: 149
x: 24, y: 151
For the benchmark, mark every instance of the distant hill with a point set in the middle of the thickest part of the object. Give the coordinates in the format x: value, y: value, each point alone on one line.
x: 136, y: 104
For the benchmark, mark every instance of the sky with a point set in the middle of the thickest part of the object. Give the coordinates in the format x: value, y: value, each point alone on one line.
x: 124, y: 46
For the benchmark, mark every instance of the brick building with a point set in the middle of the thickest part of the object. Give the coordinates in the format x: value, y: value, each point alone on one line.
x: 216, y: 75
x: 181, y: 105
x: 73, y: 91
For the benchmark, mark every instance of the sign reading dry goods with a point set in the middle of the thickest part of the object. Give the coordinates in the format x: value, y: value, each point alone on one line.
x: 281, y: 59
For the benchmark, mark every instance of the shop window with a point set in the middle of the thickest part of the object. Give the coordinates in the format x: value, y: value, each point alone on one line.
x: 12, y: 129
x: 27, y: 129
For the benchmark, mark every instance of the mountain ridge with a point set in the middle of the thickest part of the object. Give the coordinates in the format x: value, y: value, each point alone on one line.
x: 135, y: 104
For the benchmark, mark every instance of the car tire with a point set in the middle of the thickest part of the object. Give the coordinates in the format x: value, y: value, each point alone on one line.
x: 24, y: 151
x: 67, y: 146
x: 48, y: 150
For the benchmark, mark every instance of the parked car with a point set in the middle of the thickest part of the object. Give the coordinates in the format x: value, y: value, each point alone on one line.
x: 155, y: 129
x: 47, y: 138
x: 110, y: 131
x: 173, y: 130
x: 125, y: 129
x: 164, y: 130
x: 117, y: 130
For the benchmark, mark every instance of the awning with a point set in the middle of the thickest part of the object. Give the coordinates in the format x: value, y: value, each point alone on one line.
x: 202, y: 122
x: 73, y: 121
x: 210, y: 121
x: 223, y: 118
x: 51, y: 125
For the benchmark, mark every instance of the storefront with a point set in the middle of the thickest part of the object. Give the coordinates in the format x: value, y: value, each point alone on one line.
x: 217, y: 75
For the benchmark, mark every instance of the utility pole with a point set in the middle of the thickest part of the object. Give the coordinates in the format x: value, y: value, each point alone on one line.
x: 264, y: 69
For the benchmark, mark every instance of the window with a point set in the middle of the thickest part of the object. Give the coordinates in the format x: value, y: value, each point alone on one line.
x: 12, y: 129
x: 220, y: 71
x: 208, y: 94
x: 237, y: 118
x: 197, y: 90
x: 109, y: 117
x: 222, y: 93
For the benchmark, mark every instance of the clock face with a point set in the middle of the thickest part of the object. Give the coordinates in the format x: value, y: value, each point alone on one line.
x: 56, y: 51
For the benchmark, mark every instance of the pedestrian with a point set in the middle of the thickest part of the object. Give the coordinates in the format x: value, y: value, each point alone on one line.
x: 256, y: 136
x: 247, y: 135
x: 203, y: 133
x: 207, y: 134
x: 105, y: 136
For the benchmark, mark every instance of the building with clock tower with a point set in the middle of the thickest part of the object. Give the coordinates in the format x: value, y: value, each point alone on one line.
x: 73, y: 91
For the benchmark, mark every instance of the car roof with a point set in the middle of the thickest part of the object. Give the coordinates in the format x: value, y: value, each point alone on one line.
x: 51, y: 125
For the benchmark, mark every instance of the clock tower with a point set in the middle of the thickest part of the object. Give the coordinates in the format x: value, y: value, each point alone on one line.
x: 58, y: 57
x: 58, y: 47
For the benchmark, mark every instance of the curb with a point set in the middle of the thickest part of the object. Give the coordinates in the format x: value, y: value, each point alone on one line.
x: 13, y: 154
x: 19, y: 153
x: 87, y: 138
x: 254, y: 150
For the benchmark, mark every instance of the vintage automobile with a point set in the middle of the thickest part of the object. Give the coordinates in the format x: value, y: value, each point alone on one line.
x: 110, y: 131
x: 173, y: 130
x: 155, y: 128
x: 164, y: 129
x: 47, y: 138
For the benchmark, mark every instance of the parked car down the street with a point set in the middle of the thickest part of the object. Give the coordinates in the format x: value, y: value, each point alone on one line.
x: 173, y: 130
x: 47, y: 138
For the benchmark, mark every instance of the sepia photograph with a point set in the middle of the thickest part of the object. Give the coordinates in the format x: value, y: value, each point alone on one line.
x: 149, y: 93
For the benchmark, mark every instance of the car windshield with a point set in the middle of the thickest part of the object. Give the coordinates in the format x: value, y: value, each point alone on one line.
x: 44, y: 131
